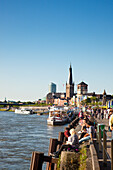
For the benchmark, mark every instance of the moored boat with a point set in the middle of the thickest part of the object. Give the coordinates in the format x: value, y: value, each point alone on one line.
x: 57, y: 117
x: 23, y: 111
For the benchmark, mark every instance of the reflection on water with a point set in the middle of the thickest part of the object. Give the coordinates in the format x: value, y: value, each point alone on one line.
x: 22, y: 134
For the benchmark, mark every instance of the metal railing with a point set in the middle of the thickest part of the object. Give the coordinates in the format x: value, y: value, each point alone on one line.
x: 103, y: 145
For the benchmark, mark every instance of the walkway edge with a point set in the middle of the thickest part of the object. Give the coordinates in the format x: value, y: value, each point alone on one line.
x: 95, y: 163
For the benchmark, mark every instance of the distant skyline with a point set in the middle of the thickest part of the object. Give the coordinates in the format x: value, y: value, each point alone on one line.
x: 39, y: 39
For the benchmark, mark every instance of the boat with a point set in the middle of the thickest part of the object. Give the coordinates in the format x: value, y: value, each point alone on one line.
x: 23, y: 111
x: 57, y: 117
x: 40, y: 113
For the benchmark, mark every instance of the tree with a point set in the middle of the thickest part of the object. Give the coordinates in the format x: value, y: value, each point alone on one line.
x: 86, y: 101
x: 100, y: 103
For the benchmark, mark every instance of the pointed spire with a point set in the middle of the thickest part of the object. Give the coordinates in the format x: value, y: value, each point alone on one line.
x: 70, y: 65
x: 104, y: 92
x: 70, y: 75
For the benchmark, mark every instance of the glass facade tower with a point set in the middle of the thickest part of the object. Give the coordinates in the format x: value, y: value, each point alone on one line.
x: 52, y: 88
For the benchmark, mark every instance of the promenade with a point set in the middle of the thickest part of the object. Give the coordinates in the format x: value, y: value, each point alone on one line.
x: 95, y: 150
x: 100, y: 153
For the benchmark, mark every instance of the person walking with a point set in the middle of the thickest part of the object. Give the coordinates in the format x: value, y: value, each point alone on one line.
x: 98, y: 113
x: 102, y: 114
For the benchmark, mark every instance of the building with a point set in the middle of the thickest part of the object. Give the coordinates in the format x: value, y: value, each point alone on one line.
x: 54, y: 98
x: 82, y: 94
x: 52, y: 88
x: 70, y: 85
x: 82, y: 90
x: 72, y: 98
x: 61, y: 98
x: 104, y: 98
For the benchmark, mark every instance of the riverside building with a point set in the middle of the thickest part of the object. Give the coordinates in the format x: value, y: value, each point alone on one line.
x: 72, y: 98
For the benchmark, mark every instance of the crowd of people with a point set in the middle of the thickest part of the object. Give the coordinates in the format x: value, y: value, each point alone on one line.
x: 103, y: 113
x: 74, y: 139
x: 100, y: 113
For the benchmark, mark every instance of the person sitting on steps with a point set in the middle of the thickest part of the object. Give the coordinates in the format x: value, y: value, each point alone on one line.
x: 72, y: 143
x: 66, y: 133
x: 90, y: 134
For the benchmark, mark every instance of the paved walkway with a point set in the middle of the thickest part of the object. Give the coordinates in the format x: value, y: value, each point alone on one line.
x: 100, y: 155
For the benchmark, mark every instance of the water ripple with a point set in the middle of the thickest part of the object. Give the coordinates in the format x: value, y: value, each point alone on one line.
x: 22, y: 134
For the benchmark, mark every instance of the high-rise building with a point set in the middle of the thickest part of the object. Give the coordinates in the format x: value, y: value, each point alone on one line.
x: 70, y: 85
x: 52, y: 88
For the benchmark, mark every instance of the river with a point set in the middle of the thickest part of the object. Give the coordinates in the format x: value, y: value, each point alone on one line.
x: 22, y: 134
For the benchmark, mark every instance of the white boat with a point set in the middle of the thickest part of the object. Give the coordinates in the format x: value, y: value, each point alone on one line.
x: 57, y: 117
x: 23, y: 111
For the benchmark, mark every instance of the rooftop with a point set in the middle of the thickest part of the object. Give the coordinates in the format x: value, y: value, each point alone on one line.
x: 82, y: 83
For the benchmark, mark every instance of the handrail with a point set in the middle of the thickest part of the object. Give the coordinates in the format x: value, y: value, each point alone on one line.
x: 105, y: 153
x: 105, y: 132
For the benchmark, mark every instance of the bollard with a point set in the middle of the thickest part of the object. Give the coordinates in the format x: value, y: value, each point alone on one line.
x: 104, y: 148
x: 60, y: 139
x: 36, y: 161
x: 52, y: 148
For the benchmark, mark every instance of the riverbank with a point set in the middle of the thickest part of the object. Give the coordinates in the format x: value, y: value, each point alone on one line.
x: 7, y: 110
x: 38, y: 112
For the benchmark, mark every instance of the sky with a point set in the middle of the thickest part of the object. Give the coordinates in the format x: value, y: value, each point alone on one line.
x: 40, y: 38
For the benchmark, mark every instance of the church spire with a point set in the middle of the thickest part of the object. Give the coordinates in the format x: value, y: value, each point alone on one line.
x: 70, y: 85
x: 70, y: 75
x: 104, y: 92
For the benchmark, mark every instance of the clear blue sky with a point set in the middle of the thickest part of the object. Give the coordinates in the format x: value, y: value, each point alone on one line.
x: 39, y: 39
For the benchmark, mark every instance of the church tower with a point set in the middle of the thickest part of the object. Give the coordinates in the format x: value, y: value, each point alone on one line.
x: 70, y: 85
x: 104, y: 98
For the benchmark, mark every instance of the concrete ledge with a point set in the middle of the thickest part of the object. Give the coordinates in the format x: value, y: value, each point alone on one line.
x: 69, y: 160
x: 95, y: 163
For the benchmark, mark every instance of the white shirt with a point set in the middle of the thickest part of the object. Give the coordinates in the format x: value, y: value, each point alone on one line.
x: 111, y: 120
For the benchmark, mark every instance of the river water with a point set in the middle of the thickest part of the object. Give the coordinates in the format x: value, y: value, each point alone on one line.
x: 22, y: 134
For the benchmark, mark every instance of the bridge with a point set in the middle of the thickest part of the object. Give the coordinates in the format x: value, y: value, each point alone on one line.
x: 11, y: 104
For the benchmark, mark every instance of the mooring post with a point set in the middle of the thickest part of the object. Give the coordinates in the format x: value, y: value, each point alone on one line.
x: 104, y: 148
x: 36, y: 160
x: 52, y: 148
x: 60, y: 139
